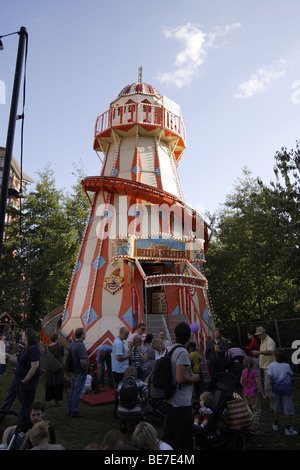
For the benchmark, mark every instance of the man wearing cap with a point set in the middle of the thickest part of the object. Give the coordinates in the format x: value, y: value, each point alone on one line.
x: 266, y: 357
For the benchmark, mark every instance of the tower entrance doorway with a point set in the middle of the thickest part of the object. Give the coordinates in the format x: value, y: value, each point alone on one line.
x: 154, y: 297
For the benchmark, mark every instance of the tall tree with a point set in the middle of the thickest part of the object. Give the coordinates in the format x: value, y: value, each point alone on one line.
x: 12, y: 271
x: 283, y: 199
x: 242, y: 262
x: 77, y: 206
x: 53, y: 226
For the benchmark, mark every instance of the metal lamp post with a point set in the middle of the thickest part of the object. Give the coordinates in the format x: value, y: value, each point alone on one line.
x: 11, y: 130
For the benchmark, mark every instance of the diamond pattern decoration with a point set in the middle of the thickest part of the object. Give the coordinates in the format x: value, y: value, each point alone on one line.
x: 136, y: 169
x: 176, y: 311
x: 98, y: 263
x: 78, y: 267
x: 207, y: 317
x: 129, y: 318
x: 89, y: 317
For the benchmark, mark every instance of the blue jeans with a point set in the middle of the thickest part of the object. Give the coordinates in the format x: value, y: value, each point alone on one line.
x: 77, y: 384
x: 102, y: 361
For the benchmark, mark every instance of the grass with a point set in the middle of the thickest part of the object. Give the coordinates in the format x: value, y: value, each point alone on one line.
x: 77, y: 434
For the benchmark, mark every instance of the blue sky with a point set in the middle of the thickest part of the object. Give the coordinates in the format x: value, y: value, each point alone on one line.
x: 233, y: 66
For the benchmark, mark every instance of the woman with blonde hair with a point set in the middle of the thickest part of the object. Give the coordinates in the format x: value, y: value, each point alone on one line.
x: 139, y: 357
x: 159, y: 347
x: 144, y: 437
x: 39, y: 437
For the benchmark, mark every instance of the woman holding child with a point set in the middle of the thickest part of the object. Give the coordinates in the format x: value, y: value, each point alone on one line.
x: 139, y: 357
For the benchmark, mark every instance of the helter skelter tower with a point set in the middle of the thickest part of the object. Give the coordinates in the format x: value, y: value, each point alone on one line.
x: 143, y: 247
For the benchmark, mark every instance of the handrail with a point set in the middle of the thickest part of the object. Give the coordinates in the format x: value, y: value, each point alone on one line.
x: 140, y: 314
x: 170, y: 314
x: 57, y: 311
x: 166, y: 328
x: 196, y: 310
x: 140, y: 113
x: 198, y: 317
x: 142, y: 272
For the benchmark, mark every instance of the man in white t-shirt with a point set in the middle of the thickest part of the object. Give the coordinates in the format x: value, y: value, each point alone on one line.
x: 119, y: 359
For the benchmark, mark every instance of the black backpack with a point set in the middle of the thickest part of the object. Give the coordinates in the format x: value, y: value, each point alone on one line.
x: 69, y: 361
x: 53, y: 364
x: 161, y: 383
x: 129, y: 393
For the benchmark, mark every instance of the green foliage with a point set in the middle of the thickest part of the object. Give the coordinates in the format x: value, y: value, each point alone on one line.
x: 253, y: 261
x: 52, y: 228
x: 11, y: 283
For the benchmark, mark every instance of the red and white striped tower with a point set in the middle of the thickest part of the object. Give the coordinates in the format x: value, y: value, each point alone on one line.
x: 143, y: 247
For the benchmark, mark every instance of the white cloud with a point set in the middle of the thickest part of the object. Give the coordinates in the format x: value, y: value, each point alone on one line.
x: 193, y: 54
x: 261, y: 80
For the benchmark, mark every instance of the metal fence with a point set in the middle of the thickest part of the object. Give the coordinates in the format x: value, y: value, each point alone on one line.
x: 283, y: 332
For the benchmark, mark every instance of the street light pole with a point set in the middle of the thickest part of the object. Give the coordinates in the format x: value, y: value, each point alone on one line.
x: 11, y: 132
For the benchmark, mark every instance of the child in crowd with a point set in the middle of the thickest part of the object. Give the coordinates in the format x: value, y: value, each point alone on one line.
x: 251, y: 386
x: 132, y: 398
x: 280, y: 373
x: 196, y: 367
x: 206, y: 410
x: 95, y: 378
x: 87, y: 389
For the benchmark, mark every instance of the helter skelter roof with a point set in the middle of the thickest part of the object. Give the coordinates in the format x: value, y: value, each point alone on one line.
x: 138, y: 87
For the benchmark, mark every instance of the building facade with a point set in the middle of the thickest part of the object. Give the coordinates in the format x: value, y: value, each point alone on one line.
x: 18, y: 182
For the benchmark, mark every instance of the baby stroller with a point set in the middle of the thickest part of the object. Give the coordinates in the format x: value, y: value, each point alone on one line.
x: 158, y: 406
x: 224, y: 430
x: 12, y: 443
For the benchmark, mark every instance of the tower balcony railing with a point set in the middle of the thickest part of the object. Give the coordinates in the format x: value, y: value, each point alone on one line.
x: 140, y: 113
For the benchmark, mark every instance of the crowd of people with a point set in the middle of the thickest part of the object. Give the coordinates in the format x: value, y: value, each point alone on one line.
x: 259, y: 369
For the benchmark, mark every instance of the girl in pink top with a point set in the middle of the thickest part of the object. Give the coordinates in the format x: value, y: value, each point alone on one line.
x: 251, y: 386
